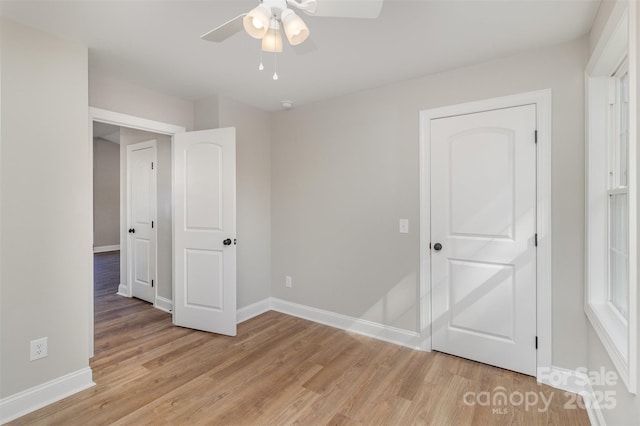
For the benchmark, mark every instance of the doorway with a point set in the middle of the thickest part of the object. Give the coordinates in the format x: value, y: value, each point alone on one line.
x: 454, y: 271
x: 131, y: 130
x: 132, y: 209
x: 203, y: 171
x: 483, y: 259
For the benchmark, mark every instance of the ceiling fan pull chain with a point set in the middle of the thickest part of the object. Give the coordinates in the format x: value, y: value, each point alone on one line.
x: 260, y: 67
x: 275, y: 66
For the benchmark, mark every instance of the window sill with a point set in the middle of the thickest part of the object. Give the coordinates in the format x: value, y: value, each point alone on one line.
x: 613, y: 334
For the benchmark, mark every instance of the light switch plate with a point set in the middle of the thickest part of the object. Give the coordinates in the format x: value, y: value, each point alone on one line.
x: 404, y: 226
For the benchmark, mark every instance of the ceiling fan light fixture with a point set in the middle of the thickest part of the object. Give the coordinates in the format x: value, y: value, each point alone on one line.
x: 256, y: 22
x: 294, y: 27
x: 272, y: 40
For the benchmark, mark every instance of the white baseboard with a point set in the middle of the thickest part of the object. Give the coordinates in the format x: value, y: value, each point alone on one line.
x: 576, y: 382
x: 164, y: 304
x: 593, y: 407
x: 29, y: 400
x: 378, y: 331
x: 253, y: 310
x: 104, y: 249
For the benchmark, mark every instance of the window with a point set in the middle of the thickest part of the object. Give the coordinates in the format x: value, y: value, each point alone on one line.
x: 611, y: 271
x: 618, y: 217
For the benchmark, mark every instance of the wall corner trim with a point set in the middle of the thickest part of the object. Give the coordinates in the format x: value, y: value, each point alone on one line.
x: 577, y: 382
x: 29, y: 400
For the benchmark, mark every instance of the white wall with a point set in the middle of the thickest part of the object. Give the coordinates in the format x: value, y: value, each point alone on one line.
x: 627, y: 406
x: 253, y: 192
x: 106, y: 193
x: 206, y: 113
x: 345, y: 170
x: 164, y: 241
x: 127, y: 98
x: 46, y: 194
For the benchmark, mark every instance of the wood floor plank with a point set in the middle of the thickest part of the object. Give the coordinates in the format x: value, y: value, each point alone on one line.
x: 278, y: 370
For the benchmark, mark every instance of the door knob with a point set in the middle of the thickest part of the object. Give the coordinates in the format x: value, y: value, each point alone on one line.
x: 437, y: 246
x: 227, y: 242
x: 132, y: 231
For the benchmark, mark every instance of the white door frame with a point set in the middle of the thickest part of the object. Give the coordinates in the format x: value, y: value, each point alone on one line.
x: 133, y: 122
x: 542, y: 100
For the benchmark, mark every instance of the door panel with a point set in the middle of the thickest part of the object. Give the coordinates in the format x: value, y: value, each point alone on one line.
x: 483, y: 208
x: 203, y: 187
x: 202, y: 267
x: 205, y: 216
x: 491, y: 187
x: 466, y: 279
x: 141, y: 198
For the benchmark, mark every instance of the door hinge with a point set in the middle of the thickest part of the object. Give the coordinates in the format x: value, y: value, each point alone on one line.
x: 535, y: 240
x: 535, y: 137
x: 151, y: 283
x: 151, y: 224
x: 152, y: 165
x: 536, y: 342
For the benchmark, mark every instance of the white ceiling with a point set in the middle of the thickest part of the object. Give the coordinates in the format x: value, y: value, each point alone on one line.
x: 157, y: 43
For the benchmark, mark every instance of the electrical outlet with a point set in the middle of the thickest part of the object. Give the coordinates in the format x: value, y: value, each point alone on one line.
x: 38, y: 349
x: 288, y: 281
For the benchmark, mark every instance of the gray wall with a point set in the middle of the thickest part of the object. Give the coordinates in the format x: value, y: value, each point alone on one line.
x: 253, y: 192
x: 106, y: 193
x: 345, y: 170
x: 163, y: 178
x: 627, y: 408
x: 206, y: 113
x: 164, y: 234
x: 45, y: 187
x: 120, y: 96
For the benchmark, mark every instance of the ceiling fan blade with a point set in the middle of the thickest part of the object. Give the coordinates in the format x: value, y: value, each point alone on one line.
x: 303, y: 48
x: 348, y: 8
x: 225, y: 30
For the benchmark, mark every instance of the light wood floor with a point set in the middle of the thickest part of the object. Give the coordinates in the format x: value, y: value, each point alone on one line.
x: 278, y: 370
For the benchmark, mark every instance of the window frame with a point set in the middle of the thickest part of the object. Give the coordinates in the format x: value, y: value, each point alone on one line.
x: 617, y: 335
x: 616, y: 187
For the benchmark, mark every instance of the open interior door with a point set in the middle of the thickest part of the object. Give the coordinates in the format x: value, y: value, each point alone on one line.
x: 204, y: 286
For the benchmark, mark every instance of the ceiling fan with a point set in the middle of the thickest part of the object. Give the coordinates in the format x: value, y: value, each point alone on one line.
x: 267, y: 21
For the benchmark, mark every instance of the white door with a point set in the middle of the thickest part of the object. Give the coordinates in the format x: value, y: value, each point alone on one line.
x: 483, y: 256
x: 141, y: 199
x: 205, y: 230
